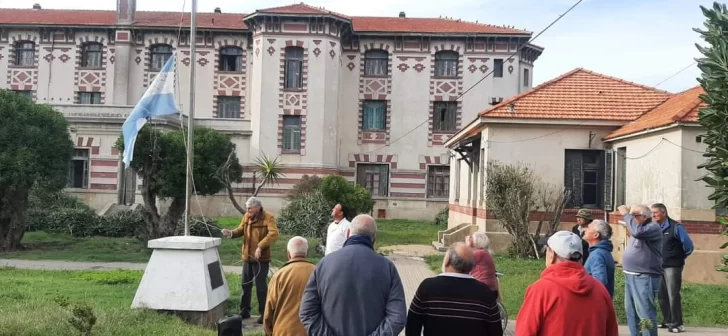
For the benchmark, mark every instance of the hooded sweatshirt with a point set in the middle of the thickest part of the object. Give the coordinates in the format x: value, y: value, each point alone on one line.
x: 566, y: 301
x: 600, y: 264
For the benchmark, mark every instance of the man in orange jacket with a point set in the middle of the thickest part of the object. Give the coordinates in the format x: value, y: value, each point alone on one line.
x: 259, y: 231
x: 566, y: 300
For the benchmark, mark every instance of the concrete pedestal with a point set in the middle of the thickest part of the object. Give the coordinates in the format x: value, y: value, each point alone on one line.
x: 184, y: 276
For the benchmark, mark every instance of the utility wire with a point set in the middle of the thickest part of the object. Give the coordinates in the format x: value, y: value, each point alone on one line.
x: 675, y: 74
x: 484, y: 77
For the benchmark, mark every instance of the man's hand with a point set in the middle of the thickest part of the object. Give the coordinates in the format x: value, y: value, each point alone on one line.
x: 257, y: 253
x: 623, y: 209
x: 227, y: 233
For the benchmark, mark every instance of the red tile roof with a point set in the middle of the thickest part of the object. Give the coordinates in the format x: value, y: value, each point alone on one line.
x: 581, y: 95
x: 427, y: 25
x: 681, y: 107
x: 64, y: 17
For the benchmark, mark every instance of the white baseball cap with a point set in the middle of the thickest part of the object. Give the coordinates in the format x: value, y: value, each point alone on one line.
x: 566, y: 244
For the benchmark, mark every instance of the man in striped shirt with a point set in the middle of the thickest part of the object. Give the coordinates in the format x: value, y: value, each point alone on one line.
x: 454, y: 303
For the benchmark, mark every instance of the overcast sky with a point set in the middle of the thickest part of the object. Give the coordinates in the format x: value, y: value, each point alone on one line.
x: 645, y: 41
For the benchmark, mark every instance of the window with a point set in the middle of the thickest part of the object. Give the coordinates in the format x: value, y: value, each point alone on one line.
x: 292, y: 134
x: 228, y: 107
x: 89, y: 98
x: 621, y: 175
x: 26, y: 94
x: 25, y: 54
x: 91, y: 55
x: 446, y: 64
x: 498, y: 67
x: 78, y: 172
x: 584, y: 175
x: 438, y: 181
x: 374, y: 115
x: 375, y: 63
x: 160, y: 55
x: 445, y: 116
x: 526, y: 76
x: 373, y: 177
x: 294, y: 68
x: 231, y: 59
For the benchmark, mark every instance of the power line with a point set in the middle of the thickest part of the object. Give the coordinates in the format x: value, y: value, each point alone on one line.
x: 484, y: 77
x: 675, y: 74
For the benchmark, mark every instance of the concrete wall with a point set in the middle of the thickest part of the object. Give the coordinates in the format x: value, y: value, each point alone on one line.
x: 695, y: 203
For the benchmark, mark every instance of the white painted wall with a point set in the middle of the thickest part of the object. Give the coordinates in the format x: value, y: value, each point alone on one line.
x: 695, y: 202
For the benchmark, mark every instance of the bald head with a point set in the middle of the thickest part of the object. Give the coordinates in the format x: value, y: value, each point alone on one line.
x: 363, y: 225
x: 459, y: 259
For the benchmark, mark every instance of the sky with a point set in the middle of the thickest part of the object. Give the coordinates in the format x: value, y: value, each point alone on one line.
x: 643, y: 41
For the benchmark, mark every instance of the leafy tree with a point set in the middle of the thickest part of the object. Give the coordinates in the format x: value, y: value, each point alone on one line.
x: 35, y: 149
x: 160, y: 158
x: 714, y: 118
x: 269, y: 170
x: 353, y: 198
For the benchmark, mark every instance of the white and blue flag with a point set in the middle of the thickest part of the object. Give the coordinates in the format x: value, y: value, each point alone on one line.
x: 159, y: 100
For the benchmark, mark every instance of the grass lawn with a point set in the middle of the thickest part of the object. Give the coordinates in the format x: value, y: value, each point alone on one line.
x: 41, y: 245
x: 703, y: 305
x: 27, y: 305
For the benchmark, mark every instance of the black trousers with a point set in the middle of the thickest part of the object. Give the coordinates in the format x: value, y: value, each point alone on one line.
x: 258, y: 273
x: 669, y: 296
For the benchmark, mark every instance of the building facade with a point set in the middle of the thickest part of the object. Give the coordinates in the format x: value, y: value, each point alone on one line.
x: 369, y: 98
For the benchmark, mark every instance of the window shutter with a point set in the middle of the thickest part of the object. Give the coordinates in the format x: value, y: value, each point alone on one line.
x: 608, y: 180
x: 573, y: 176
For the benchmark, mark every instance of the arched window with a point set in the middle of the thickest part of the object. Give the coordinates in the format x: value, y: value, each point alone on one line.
x: 25, y: 54
x: 231, y: 59
x: 91, y: 55
x: 160, y: 54
x: 446, y: 64
x: 294, y: 68
x: 375, y: 63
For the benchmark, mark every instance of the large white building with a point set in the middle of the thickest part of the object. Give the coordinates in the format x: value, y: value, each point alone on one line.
x: 370, y: 98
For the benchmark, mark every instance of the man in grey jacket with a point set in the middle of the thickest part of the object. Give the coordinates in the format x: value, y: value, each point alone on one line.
x: 642, y: 267
x: 355, y: 291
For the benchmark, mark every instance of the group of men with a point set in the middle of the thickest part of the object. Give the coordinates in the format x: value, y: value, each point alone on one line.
x: 652, y: 264
x: 355, y: 291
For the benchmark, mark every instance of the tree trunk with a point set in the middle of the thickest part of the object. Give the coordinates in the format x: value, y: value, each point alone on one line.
x: 257, y: 189
x: 13, y: 207
x: 234, y: 201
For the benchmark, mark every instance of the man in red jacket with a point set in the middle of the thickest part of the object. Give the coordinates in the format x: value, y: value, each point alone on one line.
x: 566, y: 300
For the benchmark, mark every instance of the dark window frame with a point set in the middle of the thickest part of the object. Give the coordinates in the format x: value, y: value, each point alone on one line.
x: 579, y: 164
x: 293, y: 61
x: 526, y: 77
x: 159, y: 55
x: 446, y: 64
x: 376, y: 63
x: 91, y: 62
x: 83, y: 157
x: 25, y: 54
x: 438, y: 181
x: 230, y: 61
x: 89, y: 98
x: 441, y: 119
x: 24, y: 93
x: 374, y: 177
x: 225, y: 107
x: 498, y: 67
x: 292, y: 130
x: 365, y: 122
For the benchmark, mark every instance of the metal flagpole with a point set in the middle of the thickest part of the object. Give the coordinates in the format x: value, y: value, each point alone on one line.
x: 191, y: 114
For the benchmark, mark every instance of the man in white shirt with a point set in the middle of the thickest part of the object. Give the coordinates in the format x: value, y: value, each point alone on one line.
x: 336, y: 233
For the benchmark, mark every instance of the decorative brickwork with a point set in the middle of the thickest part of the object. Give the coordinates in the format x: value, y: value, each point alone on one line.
x: 149, y: 74
x: 23, y: 78
x: 374, y: 88
x: 90, y: 79
x: 444, y: 89
x: 230, y: 83
x: 373, y: 158
x: 425, y: 160
x: 293, y: 101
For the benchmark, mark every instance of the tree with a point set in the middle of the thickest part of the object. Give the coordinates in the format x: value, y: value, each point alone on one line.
x: 35, y: 150
x: 160, y: 158
x: 714, y: 80
x: 269, y: 170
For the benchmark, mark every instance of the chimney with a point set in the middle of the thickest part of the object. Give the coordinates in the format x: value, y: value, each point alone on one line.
x: 402, y: 15
x: 218, y: 10
x: 125, y: 12
x: 36, y: 6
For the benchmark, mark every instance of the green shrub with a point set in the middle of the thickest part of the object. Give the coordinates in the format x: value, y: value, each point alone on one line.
x: 59, y: 212
x: 353, y: 198
x: 306, y: 185
x: 200, y: 226
x: 121, y: 224
x: 442, y: 217
x: 306, y: 216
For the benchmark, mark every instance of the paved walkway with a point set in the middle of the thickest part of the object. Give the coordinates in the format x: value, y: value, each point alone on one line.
x: 411, y: 269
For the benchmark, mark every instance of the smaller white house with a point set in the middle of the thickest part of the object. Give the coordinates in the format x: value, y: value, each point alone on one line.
x: 609, y: 141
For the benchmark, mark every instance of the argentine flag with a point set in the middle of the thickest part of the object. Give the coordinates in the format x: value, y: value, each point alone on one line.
x: 159, y: 100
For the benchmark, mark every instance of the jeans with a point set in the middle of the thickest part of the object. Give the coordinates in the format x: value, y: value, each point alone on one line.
x: 260, y: 272
x: 640, y: 292
x: 670, y: 300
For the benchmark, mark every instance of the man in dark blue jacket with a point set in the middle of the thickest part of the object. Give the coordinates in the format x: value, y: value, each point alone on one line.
x: 676, y: 247
x: 355, y: 291
x: 600, y: 263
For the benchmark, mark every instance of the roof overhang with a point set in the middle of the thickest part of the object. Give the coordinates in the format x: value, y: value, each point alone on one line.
x: 471, y: 129
x: 257, y: 14
x: 651, y: 130
x: 426, y: 34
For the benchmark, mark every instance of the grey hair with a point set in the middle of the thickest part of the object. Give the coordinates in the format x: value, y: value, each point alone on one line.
x: 460, y: 264
x: 661, y: 207
x: 253, y: 202
x: 603, y: 228
x: 641, y: 210
x: 297, y: 246
x: 481, y: 241
x: 363, y: 225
